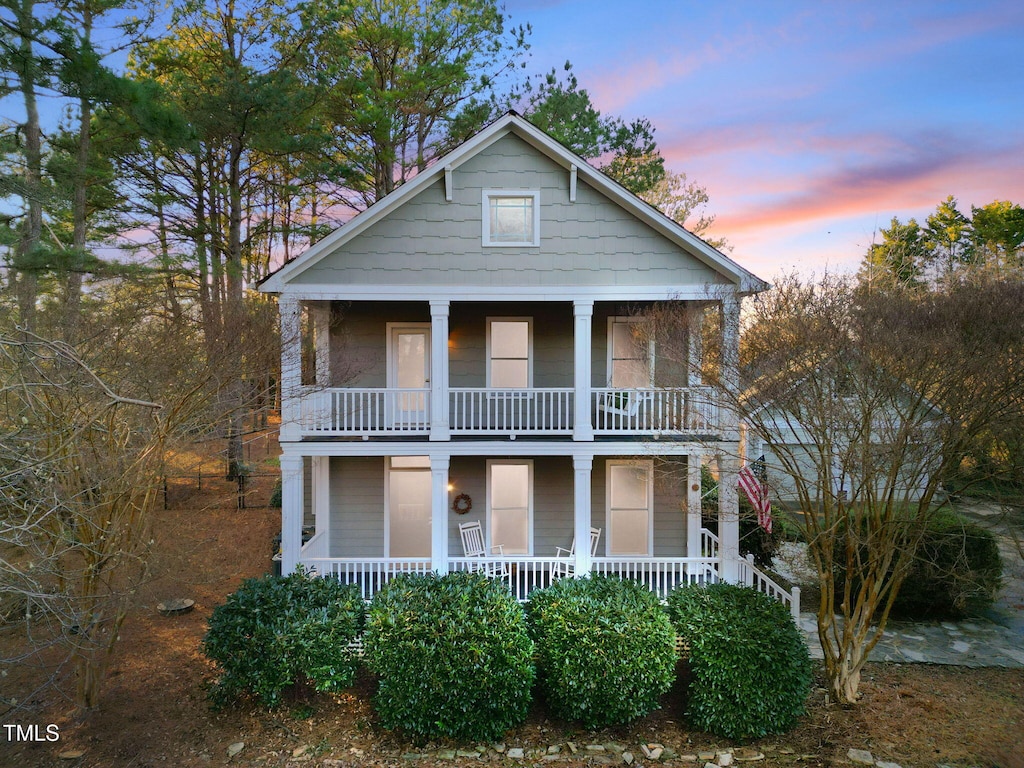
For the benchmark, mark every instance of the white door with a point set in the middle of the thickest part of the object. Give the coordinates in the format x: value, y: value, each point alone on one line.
x: 409, y: 507
x: 409, y: 368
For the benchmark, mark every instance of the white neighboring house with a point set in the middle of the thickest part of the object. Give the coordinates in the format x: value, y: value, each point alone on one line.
x: 473, y: 348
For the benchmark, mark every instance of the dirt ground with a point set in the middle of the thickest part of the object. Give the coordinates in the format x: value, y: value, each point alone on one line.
x: 154, y: 711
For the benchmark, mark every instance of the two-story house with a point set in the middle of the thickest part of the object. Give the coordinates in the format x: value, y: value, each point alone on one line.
x: 475, y: 363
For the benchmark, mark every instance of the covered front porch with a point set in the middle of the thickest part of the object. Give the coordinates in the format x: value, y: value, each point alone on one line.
x: 375, y: 517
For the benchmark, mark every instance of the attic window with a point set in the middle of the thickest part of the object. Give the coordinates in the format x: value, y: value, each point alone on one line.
x: 511, y: 217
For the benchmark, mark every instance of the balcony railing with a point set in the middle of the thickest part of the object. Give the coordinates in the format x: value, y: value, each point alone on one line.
x: 511, y: 411
x: 366, y: 412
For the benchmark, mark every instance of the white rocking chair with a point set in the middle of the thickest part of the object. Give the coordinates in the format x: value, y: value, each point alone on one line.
x: 566, y: 566
x: 473, y: 546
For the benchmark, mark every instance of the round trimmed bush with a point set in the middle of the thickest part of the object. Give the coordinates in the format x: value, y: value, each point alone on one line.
x: 275, y: 632
x: 750, y: 669
x: 605, y: 649
x: 452, y: 655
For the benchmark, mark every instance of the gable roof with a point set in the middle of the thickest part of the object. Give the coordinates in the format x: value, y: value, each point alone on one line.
x: 513, y: 123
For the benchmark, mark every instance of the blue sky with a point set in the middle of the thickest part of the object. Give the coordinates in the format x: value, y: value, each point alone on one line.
x: 811, y: 124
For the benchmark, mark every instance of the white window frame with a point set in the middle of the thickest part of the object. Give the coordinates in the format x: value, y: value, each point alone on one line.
x: 491, y: 194
x: 529, y: 349
x: 529, y: 504
x: 612, y: 320
x: 648, y: 465
x: 388, y: 469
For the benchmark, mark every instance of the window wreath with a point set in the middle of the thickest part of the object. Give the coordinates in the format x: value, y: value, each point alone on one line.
x: 462, y: 504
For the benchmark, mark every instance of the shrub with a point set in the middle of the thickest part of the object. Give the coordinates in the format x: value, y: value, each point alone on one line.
x: 452, y: 655
x: 605, y: 649
x: 750, y: 669
x: 276, y: 632
x: 956, y: 572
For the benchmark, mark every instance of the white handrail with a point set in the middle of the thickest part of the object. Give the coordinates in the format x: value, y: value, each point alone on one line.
x: 480, y: 410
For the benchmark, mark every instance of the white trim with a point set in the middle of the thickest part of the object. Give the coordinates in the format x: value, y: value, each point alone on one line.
x: 573, y: 174
x: 485, y: 217
x: 648, y: 465
x: 511, y: 123
x: 529, y: 349
x: 421, y: 292
x: 612, y: 320
x: 522, y: 447
x: 529, y: 503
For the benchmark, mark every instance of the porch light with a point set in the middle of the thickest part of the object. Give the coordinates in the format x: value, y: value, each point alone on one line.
x: 451, y: 487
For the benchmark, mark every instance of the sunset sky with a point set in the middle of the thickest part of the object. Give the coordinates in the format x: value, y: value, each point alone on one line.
x: 811, y: 124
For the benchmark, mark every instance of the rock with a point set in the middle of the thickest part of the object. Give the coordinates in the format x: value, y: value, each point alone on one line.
x: 554, y: 749
x: 627, y: 758
x: 356, y: 751
x: 414, y: 756
x: 724, y: 759
x: 747, y: 755
x: 787, y: 751
x: 499, y: 747
x: 688, y: 758
x: 656, y: 753
x: 235, y: 748
x: 710, y: 765
x: 446, y: 754
x: 646, y: 750
x: 883, y: 764
x: 615, y: 747
x: 861, y: 756
x: 706, y: 757
x: 595, y: 748
x: 516, y: 753
x: 300, y: 751
x: 572, y: 747
x: 71, y: 754
x: 467, y: 753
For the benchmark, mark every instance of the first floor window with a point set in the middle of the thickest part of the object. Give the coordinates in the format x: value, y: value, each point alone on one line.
x: 630, y: 507
x: 510, y: 499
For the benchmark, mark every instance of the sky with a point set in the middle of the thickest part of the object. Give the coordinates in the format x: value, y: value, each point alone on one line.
x: 811, y: 124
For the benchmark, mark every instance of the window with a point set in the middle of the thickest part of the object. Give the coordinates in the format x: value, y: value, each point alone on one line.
x: 511, y: 217
x: 510, y: 505
x: 630, y: 358
x: 408, y: 492
x: 508, y: 352
x: 630, y: 507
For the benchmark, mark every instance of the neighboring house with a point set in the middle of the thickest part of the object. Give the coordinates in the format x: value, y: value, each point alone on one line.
x: 843, y: 438
x: 474, y: 348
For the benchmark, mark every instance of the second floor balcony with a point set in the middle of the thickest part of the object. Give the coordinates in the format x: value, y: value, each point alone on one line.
x: 386, y: 412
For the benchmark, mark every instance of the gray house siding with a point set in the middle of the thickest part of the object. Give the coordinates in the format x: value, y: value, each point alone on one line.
x: 428, y: 241
x: 357, y: 507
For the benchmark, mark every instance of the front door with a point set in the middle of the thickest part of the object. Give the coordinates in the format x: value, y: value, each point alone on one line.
x: 409, y: 368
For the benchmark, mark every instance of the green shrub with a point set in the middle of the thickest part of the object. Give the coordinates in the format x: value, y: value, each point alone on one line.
x: 605, y: 649
x: 452, y: 655
x: 275, y: 632
x: 956, y: 572
x: 750, y: 669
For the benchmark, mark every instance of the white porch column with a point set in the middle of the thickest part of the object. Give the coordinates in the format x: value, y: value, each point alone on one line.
x: 291, y: 366
x: 321, y: 313
x: 695, y: 347
x: 693, y: 512
x: 582, y: 469
x: 583, y: 428
x: 729, y: 517
x: 439, y: 513
x: 439, y: 424
x: 321, y: 488
x: 291, y: 512
x: 731, y: 364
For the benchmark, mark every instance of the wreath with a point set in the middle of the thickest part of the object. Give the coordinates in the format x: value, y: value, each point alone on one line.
x: 462, y: 504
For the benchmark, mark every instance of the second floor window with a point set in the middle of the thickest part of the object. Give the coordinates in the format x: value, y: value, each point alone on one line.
x: 508, y: 353
x: 510, y: 218
x: 630, y: 357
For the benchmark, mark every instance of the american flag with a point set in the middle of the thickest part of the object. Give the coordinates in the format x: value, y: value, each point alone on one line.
x: 751, y: 482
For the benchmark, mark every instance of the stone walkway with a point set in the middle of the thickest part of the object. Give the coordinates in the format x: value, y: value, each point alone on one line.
x: 965, y: 644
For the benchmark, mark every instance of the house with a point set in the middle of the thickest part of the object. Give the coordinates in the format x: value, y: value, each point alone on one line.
x: 850, y: 432
x: 474, y: 361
